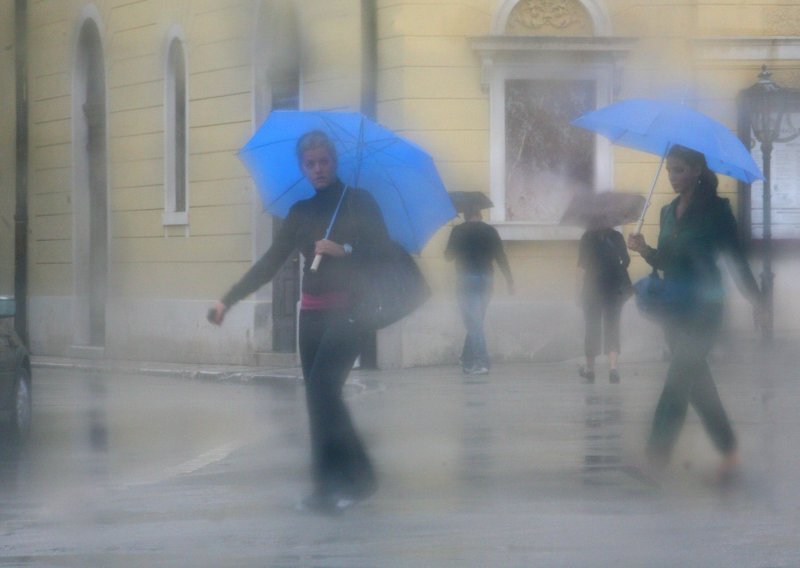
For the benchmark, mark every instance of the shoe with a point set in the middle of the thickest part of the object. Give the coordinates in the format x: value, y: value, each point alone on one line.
x: 730, y: 468
x: 479, y: 371
x: 320, y: 502
x: 362, y: 488
x: 613, y: 376
x: 467, y: 369
x: 587, y: 374
x: 329, y: 504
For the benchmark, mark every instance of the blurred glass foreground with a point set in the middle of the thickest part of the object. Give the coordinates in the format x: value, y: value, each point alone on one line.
x: 526, y: 466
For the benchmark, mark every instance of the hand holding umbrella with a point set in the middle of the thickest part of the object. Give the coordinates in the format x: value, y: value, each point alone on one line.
x: 326, y: 246
x: 329, y: 248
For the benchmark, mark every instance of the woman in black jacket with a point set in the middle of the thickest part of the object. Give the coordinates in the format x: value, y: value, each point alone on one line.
x: 604, y: 260
x: 695, y: 228
x: 329, y: 339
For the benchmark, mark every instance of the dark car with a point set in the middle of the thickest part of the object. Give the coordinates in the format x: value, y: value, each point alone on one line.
x: 15, y: 378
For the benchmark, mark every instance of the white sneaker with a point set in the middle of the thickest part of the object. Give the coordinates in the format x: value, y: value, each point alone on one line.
x: 479, y: 371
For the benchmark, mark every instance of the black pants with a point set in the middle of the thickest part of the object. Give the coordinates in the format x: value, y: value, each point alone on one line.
x: 329, y: 345
x: 602, y: 314
x: 689, y: 380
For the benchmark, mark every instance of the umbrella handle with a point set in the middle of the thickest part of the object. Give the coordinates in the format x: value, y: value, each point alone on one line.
x: 318, y: 258
x: 315, y: 264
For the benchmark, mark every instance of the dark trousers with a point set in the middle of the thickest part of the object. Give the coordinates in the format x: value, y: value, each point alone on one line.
x: 602, y: 314
x: 329, y: 345
x: 689, y: 380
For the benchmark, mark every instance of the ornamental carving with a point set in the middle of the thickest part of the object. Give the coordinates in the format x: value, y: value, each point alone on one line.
x: 549, y: 17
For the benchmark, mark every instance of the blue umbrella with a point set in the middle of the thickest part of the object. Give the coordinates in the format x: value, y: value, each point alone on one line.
x: 654, y: 126
x: 400, y: 175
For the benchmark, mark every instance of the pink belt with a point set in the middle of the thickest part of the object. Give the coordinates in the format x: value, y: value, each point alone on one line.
x: 327, y: 301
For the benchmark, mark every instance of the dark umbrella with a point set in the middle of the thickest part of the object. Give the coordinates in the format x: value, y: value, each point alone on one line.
x: 603, y: 210
x: 470, y: 200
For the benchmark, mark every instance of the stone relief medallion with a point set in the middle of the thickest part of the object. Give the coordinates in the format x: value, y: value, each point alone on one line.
x: 549, y: 17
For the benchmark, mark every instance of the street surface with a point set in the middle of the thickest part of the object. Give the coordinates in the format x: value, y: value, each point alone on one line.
x: 527, y: 466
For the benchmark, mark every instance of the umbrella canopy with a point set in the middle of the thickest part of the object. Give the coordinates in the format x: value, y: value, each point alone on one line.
x: 400, y: 175
x: 464, y: 200
x: 654, y: 126
x: 603, y: 210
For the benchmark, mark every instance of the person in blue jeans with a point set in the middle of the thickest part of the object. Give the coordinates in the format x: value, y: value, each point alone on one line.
x: 475, y: 246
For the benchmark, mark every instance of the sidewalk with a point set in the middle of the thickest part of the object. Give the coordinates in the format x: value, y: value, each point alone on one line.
x: 218, y: 373
x: 526, y: 466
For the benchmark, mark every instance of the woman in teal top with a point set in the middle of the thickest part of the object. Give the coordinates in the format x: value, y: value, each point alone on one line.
x: 695, y: 228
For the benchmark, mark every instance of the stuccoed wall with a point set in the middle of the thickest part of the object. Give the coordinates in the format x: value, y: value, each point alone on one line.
x: 429, y: 89
x: 163, y: 278
x: 147, y: 261
x: 7, y: 149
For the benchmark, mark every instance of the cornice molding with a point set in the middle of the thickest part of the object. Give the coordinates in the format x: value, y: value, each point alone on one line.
x: 515, y: 44
x: 747, y: 48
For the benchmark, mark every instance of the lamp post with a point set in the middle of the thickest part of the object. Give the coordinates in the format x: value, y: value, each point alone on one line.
x: 770, y: 109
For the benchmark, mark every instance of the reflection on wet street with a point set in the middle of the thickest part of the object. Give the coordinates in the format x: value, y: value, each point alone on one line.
x: 95, y: 431
x: 527, y: 466
x: 603, y: 451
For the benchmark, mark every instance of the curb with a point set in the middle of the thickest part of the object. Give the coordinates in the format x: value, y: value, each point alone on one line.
x: 280, y: 376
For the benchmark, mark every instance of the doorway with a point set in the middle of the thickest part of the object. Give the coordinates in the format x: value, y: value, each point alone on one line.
x: 277, y: 87
x: 91, y: 188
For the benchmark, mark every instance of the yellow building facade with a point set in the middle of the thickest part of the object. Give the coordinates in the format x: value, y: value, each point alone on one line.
x: 141, y: 214
x: 7, y: 151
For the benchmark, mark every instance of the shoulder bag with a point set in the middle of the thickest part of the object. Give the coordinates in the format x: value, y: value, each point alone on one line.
x: 662, y: 299
x: 389, y: 286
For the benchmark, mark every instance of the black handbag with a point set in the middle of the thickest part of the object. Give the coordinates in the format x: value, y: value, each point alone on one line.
x: 389, y: 286
x: 614, y: 259
x: 663, y: 299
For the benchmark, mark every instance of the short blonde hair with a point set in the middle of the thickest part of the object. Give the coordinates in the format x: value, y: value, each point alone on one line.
x: 315, y: 139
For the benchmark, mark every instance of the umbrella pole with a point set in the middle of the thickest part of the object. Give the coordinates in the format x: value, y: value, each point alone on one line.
x: 649, y: 196
x: 318, y: 258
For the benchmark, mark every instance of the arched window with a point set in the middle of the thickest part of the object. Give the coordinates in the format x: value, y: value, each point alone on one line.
x: 89, y: 132
x: 176, y: 207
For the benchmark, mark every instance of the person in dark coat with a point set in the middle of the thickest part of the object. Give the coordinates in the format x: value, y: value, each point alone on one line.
x: 328, y: 337
x: 475, y: 246
x: 603, y: 259
x: 696, y: 227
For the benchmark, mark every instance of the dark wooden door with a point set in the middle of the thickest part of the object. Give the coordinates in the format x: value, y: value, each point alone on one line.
x: 286, y: 284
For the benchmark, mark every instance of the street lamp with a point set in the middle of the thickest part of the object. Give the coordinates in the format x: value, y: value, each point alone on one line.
x: 770, y: 109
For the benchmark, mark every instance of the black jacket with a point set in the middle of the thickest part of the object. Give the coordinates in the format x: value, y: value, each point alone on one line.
x: 603, y: 254
x: 359, y: 224
x: 475, y: 245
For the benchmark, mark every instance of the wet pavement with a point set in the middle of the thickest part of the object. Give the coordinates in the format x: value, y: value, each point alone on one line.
x: 527, y: 466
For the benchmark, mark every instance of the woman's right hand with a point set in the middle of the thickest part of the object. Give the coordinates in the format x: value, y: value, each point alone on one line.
x: 636, y: 242
x: 216, y: 314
